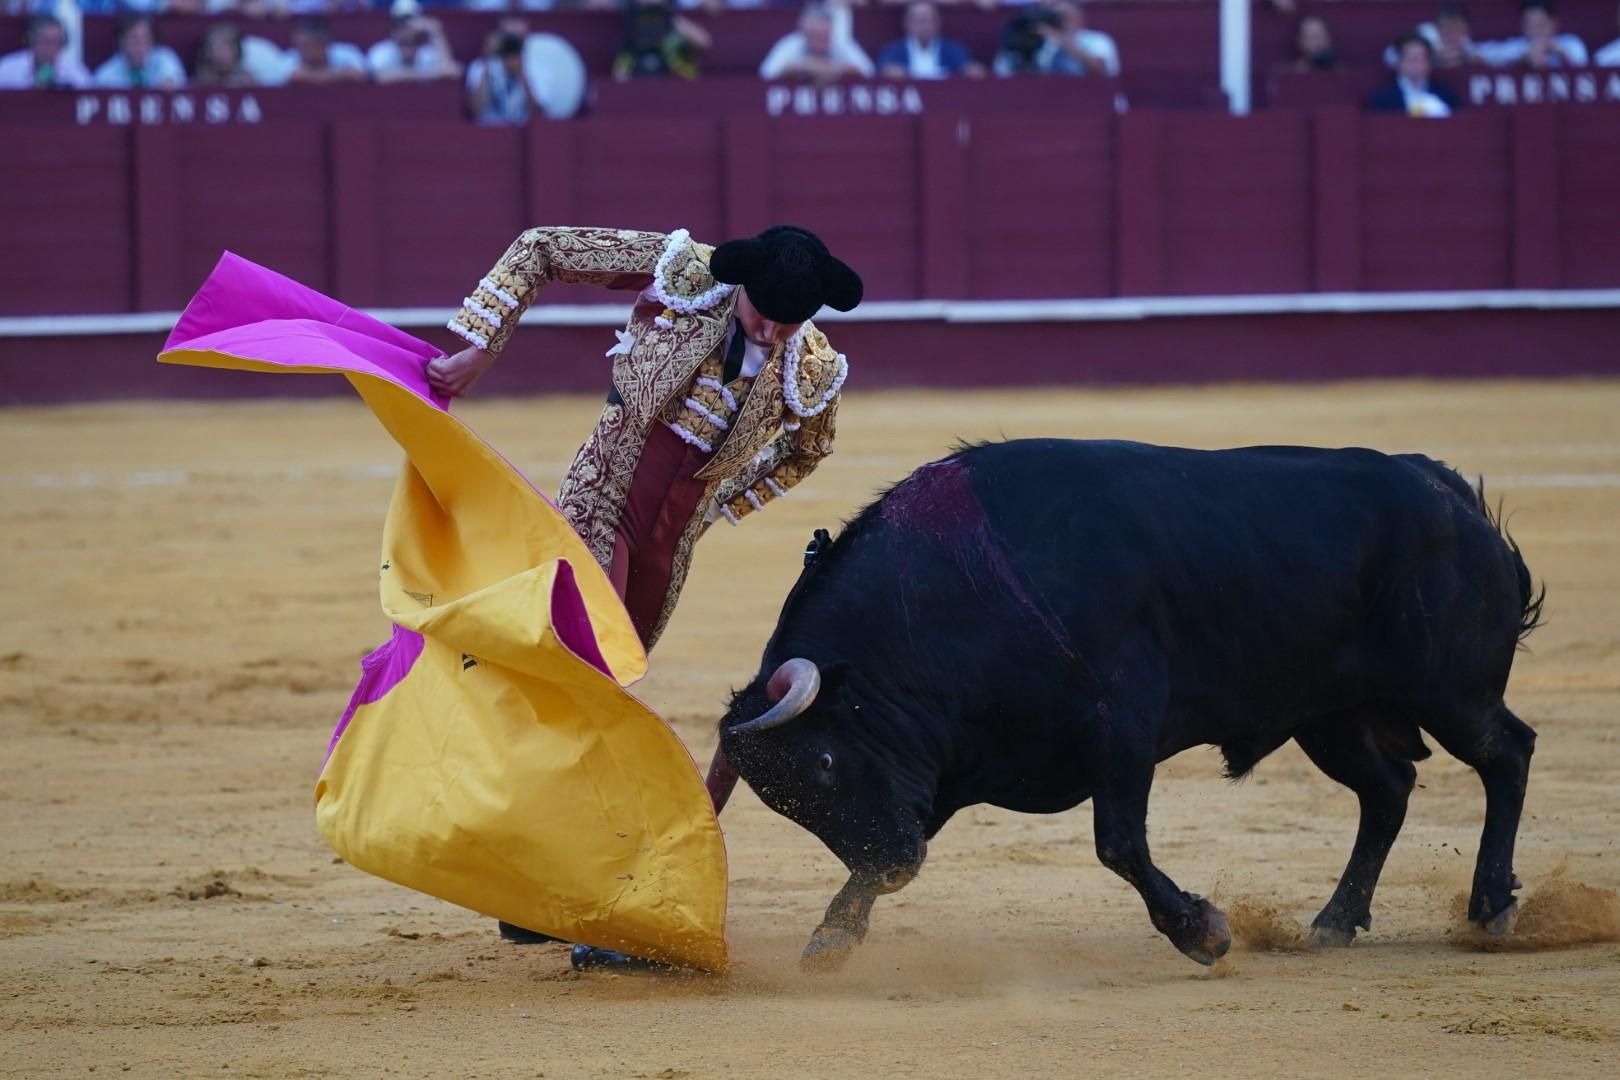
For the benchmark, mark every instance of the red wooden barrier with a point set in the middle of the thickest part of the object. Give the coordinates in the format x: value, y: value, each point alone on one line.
x: 933, y: 354
x: 65, y: 217
x: 933, y: 206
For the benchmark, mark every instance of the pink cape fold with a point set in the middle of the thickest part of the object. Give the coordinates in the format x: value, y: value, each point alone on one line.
x: 248, y: 311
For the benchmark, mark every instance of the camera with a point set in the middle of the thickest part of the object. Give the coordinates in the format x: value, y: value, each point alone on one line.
x: 1021, y: 38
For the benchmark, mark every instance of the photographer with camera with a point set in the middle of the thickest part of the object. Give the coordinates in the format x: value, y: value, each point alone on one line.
x: 522, y: 75
x: 1052, y: 39
x: 658, y: 42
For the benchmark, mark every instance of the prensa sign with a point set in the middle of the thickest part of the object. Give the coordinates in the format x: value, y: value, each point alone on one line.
x: 860, y: 99
x: 1545, y: 88
x: 173, y: 108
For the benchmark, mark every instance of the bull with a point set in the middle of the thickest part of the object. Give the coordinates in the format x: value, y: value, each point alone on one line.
x: 1034, y: 623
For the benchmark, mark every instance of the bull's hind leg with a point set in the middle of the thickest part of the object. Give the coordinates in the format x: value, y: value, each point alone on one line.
x: 1348, y: 753
x: 1498, y: 745
x: 1120, y: 785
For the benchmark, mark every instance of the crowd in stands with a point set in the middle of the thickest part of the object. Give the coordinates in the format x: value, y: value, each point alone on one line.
x: 521, y: 74
x: 1446, y: 42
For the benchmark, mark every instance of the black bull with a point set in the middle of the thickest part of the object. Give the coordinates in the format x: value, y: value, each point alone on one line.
x: 1035, y: 623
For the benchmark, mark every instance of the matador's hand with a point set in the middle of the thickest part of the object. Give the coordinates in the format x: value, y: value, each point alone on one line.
x: 453, y: 376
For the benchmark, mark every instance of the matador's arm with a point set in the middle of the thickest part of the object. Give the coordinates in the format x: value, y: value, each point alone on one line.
x: 611, y: 258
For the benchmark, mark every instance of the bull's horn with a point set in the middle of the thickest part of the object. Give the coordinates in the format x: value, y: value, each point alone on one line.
x: 794, y: 687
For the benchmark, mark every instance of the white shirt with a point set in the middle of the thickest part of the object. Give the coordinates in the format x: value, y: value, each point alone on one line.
x: 265, y: 62
x: 386, y: 55
x: 1095, y: 42
x: 17, y: 71
x: 1513, y: 50
x: 922, y: 61
x: 339, y: 57
x: 754, y: 355
x: 1608, y: 56
x: 1420, y: 101
x: 163, y: 68
x: 791, y: 49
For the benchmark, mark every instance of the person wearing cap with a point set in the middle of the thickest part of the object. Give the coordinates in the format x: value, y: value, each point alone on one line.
x: 724, y: 394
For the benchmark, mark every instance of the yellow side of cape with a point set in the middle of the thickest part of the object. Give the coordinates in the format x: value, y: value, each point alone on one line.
x: 502, y: 771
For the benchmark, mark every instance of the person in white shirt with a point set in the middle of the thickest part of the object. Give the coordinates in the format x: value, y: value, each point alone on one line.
x: 318, y: 59
x: 1449, y: 35
x: 814, y: 53
x: 140, y: 62
x: 45, y: 64
x: 1076, y: 50
x: 1609, y: 55
x: 415, y: 51
x: 1067, y: 46
x: 1540, y: 45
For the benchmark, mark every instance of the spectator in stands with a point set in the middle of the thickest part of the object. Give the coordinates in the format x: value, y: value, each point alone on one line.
x: 1052, y: 39
x: 1313, y: 46
x: 140, y: 62
x: 1448, y: 34
x: 497, y: 92
x: 922, y: 53
x: 658, y: 42
x: 44, y: 65
x: 522, y: 74
x: 1411, y: 91
x: 816, y: 53
x: 1609, y: 55
x: 415, y: 50
x: 1540, y: 45
x: 1021, y: 41
x: 219, y: 57
x: 319, y: 59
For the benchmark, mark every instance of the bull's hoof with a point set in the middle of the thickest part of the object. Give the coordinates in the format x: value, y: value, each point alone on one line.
x: 1332, y: 937
x: 828, y: 949
x: 1208, y: 937
x: 1501, y: 923
x: 590, y: 958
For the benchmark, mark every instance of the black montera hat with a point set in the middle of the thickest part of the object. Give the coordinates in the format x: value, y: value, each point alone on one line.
x: 788, y: 273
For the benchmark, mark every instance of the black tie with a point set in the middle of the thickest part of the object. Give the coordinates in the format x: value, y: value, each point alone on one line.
x: 734, y: 354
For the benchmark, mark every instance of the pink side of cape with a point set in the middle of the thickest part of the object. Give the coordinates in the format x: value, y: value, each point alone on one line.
x: 246, y: 311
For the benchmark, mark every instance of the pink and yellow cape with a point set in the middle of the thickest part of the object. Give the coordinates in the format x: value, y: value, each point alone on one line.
x: 490, y: 755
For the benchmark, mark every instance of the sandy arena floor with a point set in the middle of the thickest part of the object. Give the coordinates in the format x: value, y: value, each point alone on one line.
x: 188, y: 589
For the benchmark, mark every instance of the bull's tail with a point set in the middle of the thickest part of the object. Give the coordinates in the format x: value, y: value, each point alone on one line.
x: 1531, y: 599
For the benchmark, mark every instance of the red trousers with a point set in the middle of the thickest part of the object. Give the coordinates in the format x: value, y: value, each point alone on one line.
x: 664, y: 494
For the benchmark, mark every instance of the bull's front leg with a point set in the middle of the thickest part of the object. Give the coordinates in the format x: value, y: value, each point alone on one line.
x: 1123, y: 765
x: 843, y: 927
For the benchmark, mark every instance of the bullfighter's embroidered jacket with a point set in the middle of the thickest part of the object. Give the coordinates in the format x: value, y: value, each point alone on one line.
x: 766, y: 433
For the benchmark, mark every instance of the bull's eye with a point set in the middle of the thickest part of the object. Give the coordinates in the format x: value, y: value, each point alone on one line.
x: 826, y: 763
